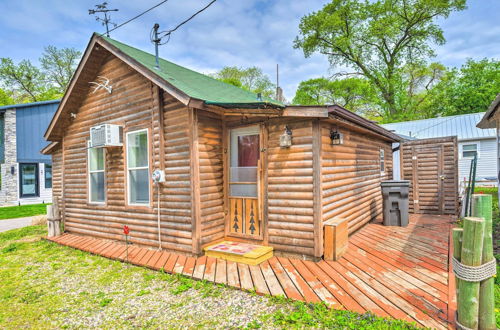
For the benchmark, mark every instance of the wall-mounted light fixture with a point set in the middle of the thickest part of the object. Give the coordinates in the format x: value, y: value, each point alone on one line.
x: 286, y: 138
x: 336, y: 137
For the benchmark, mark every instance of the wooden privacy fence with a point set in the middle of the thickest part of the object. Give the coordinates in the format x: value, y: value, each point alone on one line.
x: 431, y: 166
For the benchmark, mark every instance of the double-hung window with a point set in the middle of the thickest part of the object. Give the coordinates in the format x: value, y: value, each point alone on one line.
x: 469, y: 150
x: 138, y: 167
x: 96, y: 175
x: 382, y: 160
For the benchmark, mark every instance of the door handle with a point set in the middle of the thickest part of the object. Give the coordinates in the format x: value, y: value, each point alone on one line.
x: 442, y: 177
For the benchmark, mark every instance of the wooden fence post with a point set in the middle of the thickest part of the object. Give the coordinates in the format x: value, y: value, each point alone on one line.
x: 457, y: 234
x: 472, y: 247
x: 482, y: 208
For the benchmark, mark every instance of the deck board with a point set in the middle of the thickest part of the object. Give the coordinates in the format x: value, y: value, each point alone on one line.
x: 394, y: 272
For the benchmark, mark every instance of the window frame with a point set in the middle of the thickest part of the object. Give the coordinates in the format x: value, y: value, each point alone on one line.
x: 382, y: 161
x: 148, y: 167
x: 45, y: 176
x: 89, y: 172
x: 467, y: 144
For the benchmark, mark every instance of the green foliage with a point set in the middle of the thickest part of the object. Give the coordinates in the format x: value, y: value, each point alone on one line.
x: 355, y: 94
x: 5, y: 98
x: 25, y: 82
x: 304, y: 315
x: 17, y: 234
x: 251, y: 79
x: 59, y: 65
x: 377, y: 39
x: 468, y: 89
x: 11, y: 212
x: 183, y: 284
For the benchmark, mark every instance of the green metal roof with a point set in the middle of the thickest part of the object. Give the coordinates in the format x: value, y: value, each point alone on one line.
x: 194, y: 84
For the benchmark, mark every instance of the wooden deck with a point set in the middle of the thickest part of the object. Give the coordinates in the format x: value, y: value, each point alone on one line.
x: 395, y: 272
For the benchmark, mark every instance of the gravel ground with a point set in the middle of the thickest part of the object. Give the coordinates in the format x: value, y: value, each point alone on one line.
x: 47, y: 286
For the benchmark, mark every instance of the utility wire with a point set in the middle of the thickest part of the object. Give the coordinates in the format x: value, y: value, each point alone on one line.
x: 169, y: 32
x: 136, y: 17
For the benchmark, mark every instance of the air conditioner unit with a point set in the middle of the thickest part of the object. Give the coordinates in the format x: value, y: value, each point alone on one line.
x: 106, y: 135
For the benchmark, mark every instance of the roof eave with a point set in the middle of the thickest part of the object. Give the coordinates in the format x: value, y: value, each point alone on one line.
x: 368, y: 124
x: 486, y: 121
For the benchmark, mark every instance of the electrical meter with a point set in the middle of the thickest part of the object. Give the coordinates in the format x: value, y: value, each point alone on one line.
x: 158, y: 176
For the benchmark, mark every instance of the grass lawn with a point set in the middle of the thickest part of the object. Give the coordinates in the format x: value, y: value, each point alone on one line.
x: 11, y: 212
x: 44, y: 285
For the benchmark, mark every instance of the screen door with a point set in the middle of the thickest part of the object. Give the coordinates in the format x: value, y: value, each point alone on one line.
x: 244, y: 160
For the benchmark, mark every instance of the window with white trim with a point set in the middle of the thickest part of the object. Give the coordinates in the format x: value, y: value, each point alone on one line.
x: 48, y: 176
x: 138, y: 167
x: 469, y: 150
x: 96, y: 163
x: 382, y: 160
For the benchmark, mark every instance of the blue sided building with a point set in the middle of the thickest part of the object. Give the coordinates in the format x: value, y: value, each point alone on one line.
x: 25, y: 174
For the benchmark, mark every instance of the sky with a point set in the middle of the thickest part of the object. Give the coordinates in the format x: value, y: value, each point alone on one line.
x: 230, y: 33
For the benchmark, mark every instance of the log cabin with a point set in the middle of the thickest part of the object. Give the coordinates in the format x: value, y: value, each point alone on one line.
x: 229, y: 165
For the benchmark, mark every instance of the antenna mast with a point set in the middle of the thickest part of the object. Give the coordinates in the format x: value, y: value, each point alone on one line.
x: 277, y: 81
x: 156, y: 40
x: 102, y: 8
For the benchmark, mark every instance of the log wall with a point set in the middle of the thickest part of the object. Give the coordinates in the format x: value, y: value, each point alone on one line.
x: 351, y: 176
x: 134, y: 104
x: 210, y: 153
x: 290, y: 189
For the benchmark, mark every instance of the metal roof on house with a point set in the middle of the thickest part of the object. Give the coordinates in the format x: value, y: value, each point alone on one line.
x: 24, y: 105
x: 462, y: 126
x: 194, y: 84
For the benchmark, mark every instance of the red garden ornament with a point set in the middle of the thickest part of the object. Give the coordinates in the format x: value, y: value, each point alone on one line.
x: 126, y: 231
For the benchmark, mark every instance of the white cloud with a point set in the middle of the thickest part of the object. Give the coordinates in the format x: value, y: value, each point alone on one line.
x: 242, y: 33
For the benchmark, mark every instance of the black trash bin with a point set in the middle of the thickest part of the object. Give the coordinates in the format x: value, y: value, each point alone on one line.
x: 395, y: 199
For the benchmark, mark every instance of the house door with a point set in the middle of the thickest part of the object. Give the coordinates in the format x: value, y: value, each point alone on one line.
x: 28, y: 177
x: 428, y: 181
x: 244, y: 219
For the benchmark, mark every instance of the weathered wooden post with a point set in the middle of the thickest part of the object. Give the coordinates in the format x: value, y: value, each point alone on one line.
x: 53, y: 219
x: 472, y: 247
x: 482, y: 208
x: 457, y: 235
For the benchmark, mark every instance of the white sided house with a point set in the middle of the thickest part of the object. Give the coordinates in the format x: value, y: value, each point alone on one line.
x: 25, y: 174
x: 471, y: 141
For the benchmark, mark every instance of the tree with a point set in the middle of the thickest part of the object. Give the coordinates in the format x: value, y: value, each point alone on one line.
x: 413, y: 91
x: 251, y: 79
x: 25, y: 81
x: 5, y: 98
x: 355, y: 94
x: 468, y: 89
x: 59, y: 65
x: 376, y: 38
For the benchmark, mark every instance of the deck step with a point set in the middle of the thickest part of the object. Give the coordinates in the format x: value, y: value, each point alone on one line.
x: 245, y: 253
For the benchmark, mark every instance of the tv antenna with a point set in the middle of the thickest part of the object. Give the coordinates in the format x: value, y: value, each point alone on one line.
x: 106, y: 21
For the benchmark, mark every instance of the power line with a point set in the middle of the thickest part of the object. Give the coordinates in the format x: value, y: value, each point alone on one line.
x: 136, y: 17
x: 169, y: 32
